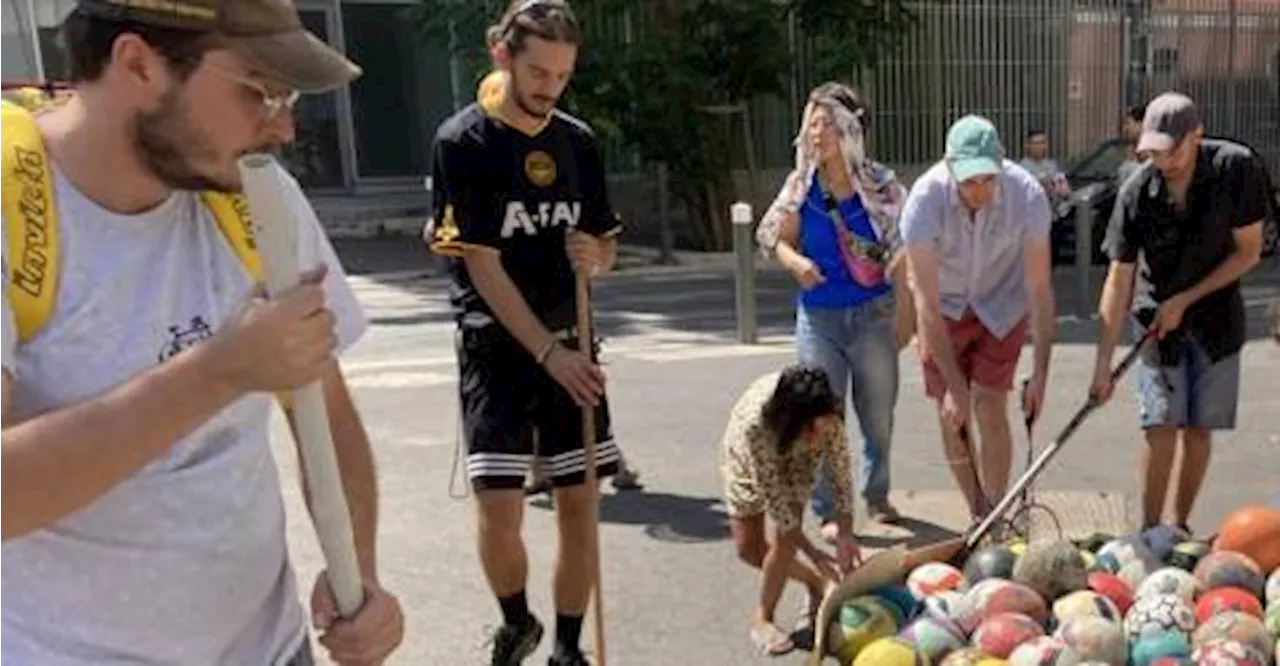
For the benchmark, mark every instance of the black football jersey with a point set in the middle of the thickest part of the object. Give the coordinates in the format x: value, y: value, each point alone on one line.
x: 501, y: 188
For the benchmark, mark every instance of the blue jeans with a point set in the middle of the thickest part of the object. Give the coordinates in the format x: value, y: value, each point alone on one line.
x: 1195, y: 393
x: 857, y: 349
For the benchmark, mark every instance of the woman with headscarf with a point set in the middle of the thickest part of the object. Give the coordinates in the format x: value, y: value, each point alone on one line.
x: 834, y: 225
x: 780, y: 429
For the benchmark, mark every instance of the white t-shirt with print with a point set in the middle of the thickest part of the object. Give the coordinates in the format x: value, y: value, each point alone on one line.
x: 185, y: 562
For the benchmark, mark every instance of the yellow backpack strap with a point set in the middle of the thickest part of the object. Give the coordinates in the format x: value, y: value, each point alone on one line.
x: 232, y: 214
x: 31, y: 220
x: 236, y: 224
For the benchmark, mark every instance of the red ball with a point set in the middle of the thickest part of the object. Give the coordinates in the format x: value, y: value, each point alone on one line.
x: 1112, y: 587
x: 1227, y: 599
x: 1017, y: 598
x: 1000, y: 634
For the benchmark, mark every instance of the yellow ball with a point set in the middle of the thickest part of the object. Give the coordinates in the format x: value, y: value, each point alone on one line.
x: 1018, y: 548
x: 863, y: 620
x: 890, y: 652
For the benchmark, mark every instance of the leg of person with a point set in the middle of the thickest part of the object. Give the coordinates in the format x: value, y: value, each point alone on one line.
x: 1162, y: 399
x: 560, y: 423
x: 820, y: 340
x: 960, y: 454
x: 1214, y: 397
x: 748, y: 529
x: 538, y: 482
x: 492, y: 382
x: 873, y: 361
x: 628, y: 477
x: 995, y: 362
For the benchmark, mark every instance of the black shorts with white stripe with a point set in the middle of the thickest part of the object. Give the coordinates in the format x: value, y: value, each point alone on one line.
x: 512, y: 410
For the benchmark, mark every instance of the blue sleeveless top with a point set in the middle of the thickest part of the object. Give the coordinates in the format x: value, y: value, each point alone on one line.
x: 818, y: 242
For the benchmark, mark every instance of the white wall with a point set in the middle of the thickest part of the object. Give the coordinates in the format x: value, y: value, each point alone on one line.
x: 17, y: 54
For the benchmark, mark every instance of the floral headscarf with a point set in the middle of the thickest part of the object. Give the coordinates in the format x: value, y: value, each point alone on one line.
x: 877, y: 185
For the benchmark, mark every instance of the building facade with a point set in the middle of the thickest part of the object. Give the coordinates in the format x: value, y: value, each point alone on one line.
x: 370, y: 137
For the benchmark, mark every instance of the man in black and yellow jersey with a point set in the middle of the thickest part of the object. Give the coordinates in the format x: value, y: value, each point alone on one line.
x: 520, y: 203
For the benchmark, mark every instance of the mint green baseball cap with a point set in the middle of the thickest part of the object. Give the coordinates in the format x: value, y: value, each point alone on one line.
x: 973, y: 148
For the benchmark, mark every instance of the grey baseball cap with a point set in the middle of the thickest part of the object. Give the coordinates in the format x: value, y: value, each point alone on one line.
x: 1169, y: 117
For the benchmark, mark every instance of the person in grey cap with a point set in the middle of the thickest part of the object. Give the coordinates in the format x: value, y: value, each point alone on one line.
x: 1186, y: 226
x: 143, y: 519
x: 976, y: 227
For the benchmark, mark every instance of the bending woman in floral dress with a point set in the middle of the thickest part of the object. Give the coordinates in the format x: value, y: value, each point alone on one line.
x: 779, y: 430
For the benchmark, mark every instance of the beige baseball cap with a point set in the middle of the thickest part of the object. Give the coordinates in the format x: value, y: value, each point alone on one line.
x: 268, y: 33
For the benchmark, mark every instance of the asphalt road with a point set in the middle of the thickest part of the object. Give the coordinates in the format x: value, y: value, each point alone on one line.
x: 674, y: 593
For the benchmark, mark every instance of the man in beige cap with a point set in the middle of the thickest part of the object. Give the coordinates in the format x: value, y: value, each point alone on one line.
x: 1187, y: 225
x: 143, y: 520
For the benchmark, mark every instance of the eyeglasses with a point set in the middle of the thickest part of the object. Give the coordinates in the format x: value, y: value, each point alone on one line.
x: 272, y: 102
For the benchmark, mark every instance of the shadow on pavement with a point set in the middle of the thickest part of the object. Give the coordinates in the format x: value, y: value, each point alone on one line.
x: 910, y: 532
x: 664, y: 517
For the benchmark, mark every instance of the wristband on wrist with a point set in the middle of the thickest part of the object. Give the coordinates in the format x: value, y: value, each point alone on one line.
x: 545, y: 353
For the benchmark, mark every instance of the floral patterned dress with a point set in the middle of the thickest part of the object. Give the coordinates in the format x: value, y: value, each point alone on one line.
x: 759, y: 480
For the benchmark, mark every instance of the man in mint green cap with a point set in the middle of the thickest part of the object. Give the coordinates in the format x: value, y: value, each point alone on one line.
x: 976, y: 227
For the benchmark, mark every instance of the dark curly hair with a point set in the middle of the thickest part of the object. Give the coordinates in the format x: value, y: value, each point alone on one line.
x: 803, y: 395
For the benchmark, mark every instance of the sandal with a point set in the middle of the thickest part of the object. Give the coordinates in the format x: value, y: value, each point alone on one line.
x: 770, y: 641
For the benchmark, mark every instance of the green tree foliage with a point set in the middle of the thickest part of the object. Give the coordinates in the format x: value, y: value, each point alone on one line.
x: 650, y: 91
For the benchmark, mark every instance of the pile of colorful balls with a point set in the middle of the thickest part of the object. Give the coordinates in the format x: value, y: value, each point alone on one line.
x: 1149, y: 599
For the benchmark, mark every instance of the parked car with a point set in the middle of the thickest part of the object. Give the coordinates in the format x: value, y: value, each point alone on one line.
x: 1092, y: 178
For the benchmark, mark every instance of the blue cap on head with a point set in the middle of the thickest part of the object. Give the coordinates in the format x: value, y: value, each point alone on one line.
x: 973, y: 148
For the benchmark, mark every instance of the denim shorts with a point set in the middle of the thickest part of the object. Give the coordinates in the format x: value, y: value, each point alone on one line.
x: 1193, y: 393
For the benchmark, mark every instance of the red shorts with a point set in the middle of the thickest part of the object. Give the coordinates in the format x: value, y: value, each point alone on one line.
x: 984, y: 359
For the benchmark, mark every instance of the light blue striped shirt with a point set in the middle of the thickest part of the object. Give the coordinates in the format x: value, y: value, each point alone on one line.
x: 980, y: 256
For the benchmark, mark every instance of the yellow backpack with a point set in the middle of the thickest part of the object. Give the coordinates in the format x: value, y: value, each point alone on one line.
x: 31, y: 220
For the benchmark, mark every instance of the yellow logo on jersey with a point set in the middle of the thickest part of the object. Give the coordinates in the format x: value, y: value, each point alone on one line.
x: 540, y: 168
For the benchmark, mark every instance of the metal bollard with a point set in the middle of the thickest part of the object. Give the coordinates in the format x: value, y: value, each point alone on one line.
x: 1084, y: 256
x: 745, y: 271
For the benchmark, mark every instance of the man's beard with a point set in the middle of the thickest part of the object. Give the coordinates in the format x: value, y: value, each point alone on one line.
x: 167, y: 141
x: 525, y: 107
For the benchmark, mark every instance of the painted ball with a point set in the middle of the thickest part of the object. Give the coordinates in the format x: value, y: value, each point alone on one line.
x: 933, y: 637
x: 863, y: 620
x: 1114, y: 554
x: 1158, y: 615
x: 980, y: 595
x: 1052, y: 569
x: 1085, y: 603
x: 999, y: 634
x: 899, y: 600
x: 1018, y: 547
x: 952, y: 606
x: 1271, y: 593
x: 890, y: 652
x: 1227, y: 599
x: 1187, y: 554
x: 1161, y: 539
x: 1228, y: 653
x: 970, y: 656
x: 1157, y: 645
x: 1272, y: 618
x: 931, y: 578
x: 1136, y: 571
x: 1234, y: 626
x: 1112, y: 587
x: 1044, y: 651
x: 1169, y: 580
x: 1226, y: 568
x: 989, y: 562
x: 1095, y: 639
x: 1016, y: 598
